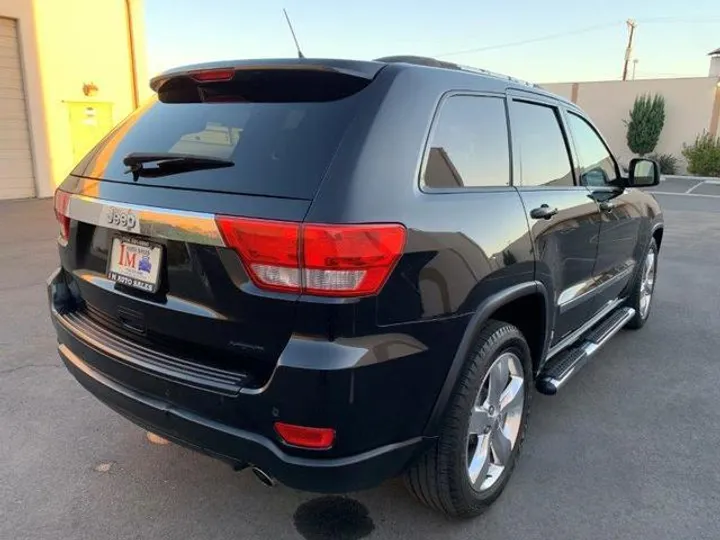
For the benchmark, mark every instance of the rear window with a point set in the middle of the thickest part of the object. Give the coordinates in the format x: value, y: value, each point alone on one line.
x: 278, y: 148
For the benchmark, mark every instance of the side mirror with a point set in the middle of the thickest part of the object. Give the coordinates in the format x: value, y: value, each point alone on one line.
x: 643, y: 173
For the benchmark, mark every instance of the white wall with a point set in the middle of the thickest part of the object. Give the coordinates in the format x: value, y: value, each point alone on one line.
x: 690, y: 106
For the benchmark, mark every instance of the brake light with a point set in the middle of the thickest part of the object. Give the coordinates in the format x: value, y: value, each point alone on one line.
x: 62, y: 200
x: 306, y: 437
x: 213, y: 75
x: 324, y: 260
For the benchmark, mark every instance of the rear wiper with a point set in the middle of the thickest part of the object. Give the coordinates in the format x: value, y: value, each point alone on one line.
x: 169, y: 163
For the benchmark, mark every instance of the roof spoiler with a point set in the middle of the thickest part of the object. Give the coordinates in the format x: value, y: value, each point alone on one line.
x: 219, y: 71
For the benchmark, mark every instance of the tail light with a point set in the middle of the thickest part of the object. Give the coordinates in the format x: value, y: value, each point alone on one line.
x: 62, y: 200
x: 324, y: 260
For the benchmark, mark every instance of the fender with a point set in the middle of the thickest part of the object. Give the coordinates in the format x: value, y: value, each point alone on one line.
x: 658, y: 225
x: 481, y: 315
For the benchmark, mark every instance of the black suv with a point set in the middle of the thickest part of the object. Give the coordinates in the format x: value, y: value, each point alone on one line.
x: 335, y: 272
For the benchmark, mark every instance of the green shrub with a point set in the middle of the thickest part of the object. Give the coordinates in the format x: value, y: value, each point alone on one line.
x: 647, y: 119
x: 667, y: 162
x: 703, y: 156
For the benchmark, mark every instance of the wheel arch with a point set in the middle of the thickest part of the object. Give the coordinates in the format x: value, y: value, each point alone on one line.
x: 657, y: 234
x: 510, y: 305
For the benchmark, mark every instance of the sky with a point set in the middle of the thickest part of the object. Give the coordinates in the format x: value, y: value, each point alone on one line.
x: 548, y: 41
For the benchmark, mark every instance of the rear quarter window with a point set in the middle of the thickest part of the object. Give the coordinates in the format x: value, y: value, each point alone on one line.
x: 469, y: 146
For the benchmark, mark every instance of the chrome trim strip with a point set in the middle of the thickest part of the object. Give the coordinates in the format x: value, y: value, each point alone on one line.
x: 151, y: 221
x: 173, y: 302
x: 577, y: 334
x: 573, y: 301
x: 575, y: 294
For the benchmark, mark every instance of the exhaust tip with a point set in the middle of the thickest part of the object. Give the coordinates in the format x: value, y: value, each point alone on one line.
x: 264, y: 477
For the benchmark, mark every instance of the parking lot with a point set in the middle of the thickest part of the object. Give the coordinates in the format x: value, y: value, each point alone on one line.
x: 626, y: 451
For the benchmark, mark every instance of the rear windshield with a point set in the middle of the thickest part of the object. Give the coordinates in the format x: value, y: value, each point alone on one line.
x: 278, y: 148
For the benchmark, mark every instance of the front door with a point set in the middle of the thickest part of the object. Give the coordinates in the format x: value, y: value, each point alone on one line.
x: 620, y: 211
x: 563, y: 218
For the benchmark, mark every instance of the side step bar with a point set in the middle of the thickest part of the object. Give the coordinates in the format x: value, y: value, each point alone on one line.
x: 561, y: 368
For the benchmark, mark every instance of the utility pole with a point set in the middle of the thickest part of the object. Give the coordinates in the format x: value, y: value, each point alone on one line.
x: 631, y: 29
x: 635, y: 61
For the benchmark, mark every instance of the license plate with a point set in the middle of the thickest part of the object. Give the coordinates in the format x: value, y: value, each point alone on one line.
x: 136, y: 263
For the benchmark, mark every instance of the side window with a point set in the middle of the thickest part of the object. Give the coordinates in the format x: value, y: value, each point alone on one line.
x: 469, y: 144
x: 598, y: 166
x: 541, y: 145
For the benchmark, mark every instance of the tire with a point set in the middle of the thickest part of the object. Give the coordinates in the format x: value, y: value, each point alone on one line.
x: 441, y: 478
x: 636, y: 298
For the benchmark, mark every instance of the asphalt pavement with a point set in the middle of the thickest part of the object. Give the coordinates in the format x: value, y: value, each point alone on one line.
x: 626, y: 451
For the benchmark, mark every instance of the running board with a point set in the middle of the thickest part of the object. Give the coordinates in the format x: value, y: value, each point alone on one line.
x: 560, y: 369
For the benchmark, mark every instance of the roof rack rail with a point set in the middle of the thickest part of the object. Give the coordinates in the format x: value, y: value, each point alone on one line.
x: 489, y: 73
x: 433, y: 62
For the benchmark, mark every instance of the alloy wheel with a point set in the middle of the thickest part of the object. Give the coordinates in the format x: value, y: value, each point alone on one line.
x: 495, y: 420
x: 647, y: 284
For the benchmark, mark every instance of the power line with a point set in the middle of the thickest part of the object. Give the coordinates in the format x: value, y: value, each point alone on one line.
x: 547, y: 37
x: 680, y: 20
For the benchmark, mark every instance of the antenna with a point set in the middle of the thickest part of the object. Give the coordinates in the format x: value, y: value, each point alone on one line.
x: 297, y: 45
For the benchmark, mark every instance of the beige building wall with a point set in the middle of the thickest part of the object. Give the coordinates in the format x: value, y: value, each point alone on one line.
x: 691, y: 104
x: 81, y: 42
x: 64, y: 45
x: 561, y: 89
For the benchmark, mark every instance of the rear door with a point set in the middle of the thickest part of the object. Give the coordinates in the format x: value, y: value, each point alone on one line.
x: 563, y: 219
x: 620, y: 210
x: 147, y: 250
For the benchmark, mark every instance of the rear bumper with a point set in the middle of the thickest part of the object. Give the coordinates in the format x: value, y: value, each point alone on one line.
x: 323, y: 475
x: 139, y: 395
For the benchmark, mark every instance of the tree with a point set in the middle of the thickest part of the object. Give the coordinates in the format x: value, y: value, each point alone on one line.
x: 647, y: 119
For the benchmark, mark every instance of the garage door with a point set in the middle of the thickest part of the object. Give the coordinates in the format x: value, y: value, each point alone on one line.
x: 16, y: 172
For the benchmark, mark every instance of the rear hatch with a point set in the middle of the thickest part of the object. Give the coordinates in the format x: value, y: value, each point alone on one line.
x: 146, y: 249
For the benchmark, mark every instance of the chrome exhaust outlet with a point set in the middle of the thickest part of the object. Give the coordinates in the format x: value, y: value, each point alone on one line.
x: 264, y: 477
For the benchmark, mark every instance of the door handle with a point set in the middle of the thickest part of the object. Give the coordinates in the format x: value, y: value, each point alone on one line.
x: 607, y: 206
x: 543, y: 212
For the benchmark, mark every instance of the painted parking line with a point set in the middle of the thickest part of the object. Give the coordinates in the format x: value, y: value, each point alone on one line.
x: 698, y: 188
x: 689, y: 191
x: 708, y: 189
x: 684, y: 194
x: 678, y: 186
